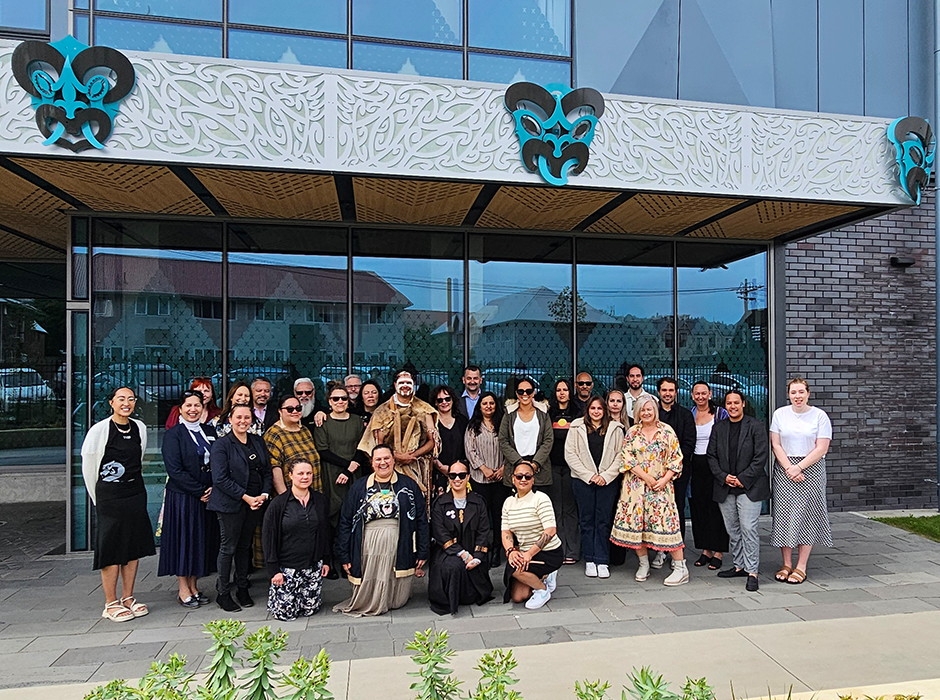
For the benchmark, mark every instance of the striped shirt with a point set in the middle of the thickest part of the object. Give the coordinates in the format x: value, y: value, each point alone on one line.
x: 483, y: 449
x: 528, y: 517
x: 285, y: 445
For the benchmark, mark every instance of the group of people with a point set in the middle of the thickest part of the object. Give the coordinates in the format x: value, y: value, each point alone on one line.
x: 381, y: 491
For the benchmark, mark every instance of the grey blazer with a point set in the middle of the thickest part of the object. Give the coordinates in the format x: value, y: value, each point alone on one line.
x: 752, y: 459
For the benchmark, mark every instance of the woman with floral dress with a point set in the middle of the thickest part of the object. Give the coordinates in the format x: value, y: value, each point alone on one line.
x: 646, y: 516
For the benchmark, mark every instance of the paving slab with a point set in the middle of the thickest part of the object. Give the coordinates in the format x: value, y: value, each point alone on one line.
x: 111, y: 653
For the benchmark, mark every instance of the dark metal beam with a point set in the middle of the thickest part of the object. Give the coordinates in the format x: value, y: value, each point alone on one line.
x: 347, y: 197
x: 198, y: 189
x: 480, y: 204
x: 604, y: 211
x: 34, y: 179
x: 717, y: 217
x: 31, y: 239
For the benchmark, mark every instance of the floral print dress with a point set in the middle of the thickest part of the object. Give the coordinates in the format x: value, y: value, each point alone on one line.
x: 647, y: 518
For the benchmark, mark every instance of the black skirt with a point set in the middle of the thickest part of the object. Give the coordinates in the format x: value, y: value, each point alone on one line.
x: 190, y: 542
x: 451, y: 585
x: 542, y: 565
x: 124, y: 530
x: 708, y: 526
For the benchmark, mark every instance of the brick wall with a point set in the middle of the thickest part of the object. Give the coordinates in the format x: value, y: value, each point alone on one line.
x: 863, y: 334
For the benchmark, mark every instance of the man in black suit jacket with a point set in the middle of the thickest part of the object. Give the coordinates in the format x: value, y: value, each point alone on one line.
x: 737, y: 456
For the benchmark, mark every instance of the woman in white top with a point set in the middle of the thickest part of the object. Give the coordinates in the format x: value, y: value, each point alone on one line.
x: 799, y: 436
x: 708, y: 527
x: 526, y: 434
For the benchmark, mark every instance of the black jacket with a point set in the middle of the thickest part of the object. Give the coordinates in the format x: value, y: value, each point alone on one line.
x: 472, y: 533
x: 682, y: 422
x: 270, y: 416
x: 183, y: 463
x: 752, y: 459
x: 413, y: 535
x: 271, y: 530
x: 230, y: 472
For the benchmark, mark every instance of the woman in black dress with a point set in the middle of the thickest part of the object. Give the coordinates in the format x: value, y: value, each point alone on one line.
x: 460, y: 527
x: 112, y: 466
x: 563, y: 409
x: 451, y: 427
x: 189, y: 546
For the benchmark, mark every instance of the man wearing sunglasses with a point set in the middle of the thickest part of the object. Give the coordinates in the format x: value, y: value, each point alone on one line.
x: 584, y: 387
x: 314, y: 413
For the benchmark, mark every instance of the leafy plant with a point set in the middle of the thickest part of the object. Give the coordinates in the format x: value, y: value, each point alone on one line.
x: 432, y: 656
x: 496, y: 676
x: 167, y: 680
x: 265, y: 647
x: 697, y: 690
x: 591, y: 690
x: 113, y: 690
x: 220, y: 683
x: 646, y: 686
x: 308, y: 678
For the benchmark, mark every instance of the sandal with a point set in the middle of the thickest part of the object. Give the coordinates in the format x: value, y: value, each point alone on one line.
x: 796, y: 577
x: 116, y: 612
x: 702, y: 560
x: 135, y: 608
x: 783, y: 574
x: 715, y: 563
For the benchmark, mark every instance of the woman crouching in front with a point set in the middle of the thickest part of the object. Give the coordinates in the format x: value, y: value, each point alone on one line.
x: 533, y: 550
x: 296, y: 545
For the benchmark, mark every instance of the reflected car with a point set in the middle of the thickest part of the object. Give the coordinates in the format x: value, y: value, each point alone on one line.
x: 754, y: 389
x: 20, y: 385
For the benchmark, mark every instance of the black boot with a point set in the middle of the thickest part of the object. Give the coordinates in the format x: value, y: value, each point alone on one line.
x: 225, y: 602
x: 241, y: 595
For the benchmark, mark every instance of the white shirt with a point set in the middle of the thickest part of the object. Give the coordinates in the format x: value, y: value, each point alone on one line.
x: 799, y: 431
x: 702, y: 434
x: 526, y: 435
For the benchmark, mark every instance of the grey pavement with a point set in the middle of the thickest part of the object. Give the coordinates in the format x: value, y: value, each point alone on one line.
x: 51, y: 630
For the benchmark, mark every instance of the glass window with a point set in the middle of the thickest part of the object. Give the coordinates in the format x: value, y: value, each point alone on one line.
x: 431, y: 21
x: 277, y: 275
x: 408, y: 305
x: 159, y: 37
x: 520, y: 309
x: 79, y: 258
x: 312, y: 15
x: 531, y: 26
x: 81, y: 4
x: 407, y: 60
x: 23, y: 14
x: 508, y: 69
x: 183, y: 9
x: 723, y: 327
x: 287, y: 48
x: 80, y: 28
x: 80, y: 512
x: 625, y: 310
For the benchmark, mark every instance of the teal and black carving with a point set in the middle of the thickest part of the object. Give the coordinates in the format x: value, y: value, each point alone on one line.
x: 555, y: 126
x: 76, y: 89
x: 913, y: 141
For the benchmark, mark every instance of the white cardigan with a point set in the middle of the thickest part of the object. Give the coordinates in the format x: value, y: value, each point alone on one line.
x: 93, y: 451
x: 578, y: 454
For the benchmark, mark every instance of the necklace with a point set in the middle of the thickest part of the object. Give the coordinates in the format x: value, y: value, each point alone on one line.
x: 121, y: 430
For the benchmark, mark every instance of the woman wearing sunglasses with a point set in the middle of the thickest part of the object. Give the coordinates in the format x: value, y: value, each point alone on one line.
x: 526, y: 434
x: 451, y: 427
x: 460, y: 527
x: 533, y: 550
x: 289, y: 439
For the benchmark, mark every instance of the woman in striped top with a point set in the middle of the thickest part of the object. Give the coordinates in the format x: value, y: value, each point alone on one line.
x: 533, y: 550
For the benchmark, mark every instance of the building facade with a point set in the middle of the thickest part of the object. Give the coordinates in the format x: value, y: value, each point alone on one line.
x: 315, y: 188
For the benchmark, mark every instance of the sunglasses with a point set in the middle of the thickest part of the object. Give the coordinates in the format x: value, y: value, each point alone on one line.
x: 585, y: 383
x: 443, y: 399
x: 458, y: 475
x: 523, y: 477
x: 304, y: 393
x: 339, y: 398
x: 525, y: 392
x: 292, y: 409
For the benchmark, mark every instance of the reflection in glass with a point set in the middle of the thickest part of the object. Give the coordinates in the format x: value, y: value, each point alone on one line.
x: 159, y: 37
x: 80, y: 28
x: 408, y: 306
x: 407, y: 60
x: 723, y: 327
x: 286, y: 48
x: 79, y: 258
x: 23, y: 14
x: 182, y: 9
x: 287, y: 304
x: 157, y: 303
x: 625, y: 309
x: 77, y: 494
x: 531, y: 26
x: 507, y: 69
x: 431, y: 21
x: 312, y: 15
x: 520, y: 309
x: 81, y: 4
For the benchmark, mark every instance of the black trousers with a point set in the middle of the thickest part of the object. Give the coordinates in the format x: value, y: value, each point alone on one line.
x: 495, y: 494
x: 681, y: 486
x: 237, y: 534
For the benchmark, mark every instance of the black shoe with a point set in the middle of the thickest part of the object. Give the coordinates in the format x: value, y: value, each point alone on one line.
x: 752, y: 584
x: 225, y: 602
x: 203, y: 599
x: 241, y: 595
x: 732, y: 573
x: 191, y: 602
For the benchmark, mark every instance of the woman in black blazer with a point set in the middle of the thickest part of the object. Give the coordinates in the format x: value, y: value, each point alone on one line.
x: 241, y: 482
x: 189, y: 545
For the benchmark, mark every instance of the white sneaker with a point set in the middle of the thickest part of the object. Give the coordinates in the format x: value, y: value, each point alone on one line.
x: 551, y: 581
x: 643, y: 572
x: 603, y: 571
x: 590, y: 569
x: 658, y: 560
x: 538, y: 599
x: 679, y: 575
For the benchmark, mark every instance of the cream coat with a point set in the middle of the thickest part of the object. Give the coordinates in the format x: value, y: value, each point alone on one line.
x: 93, y: 451
x: 578, y: 454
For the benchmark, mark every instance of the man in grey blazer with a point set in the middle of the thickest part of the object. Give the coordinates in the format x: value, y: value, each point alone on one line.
x: 737, y: 456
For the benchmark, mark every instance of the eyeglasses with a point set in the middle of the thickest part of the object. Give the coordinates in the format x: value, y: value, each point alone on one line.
x: 523, y: 477
x: 454, y: 476
x: 525, y: 392
x: 354, y: 386
x: 443, y: 399
x: 303, y: 393
x: 292, y: 409
x: 585, y: 383
x: 339, y: 398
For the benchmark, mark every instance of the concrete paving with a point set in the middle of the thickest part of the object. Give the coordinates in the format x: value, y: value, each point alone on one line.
x: 868, y: 614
